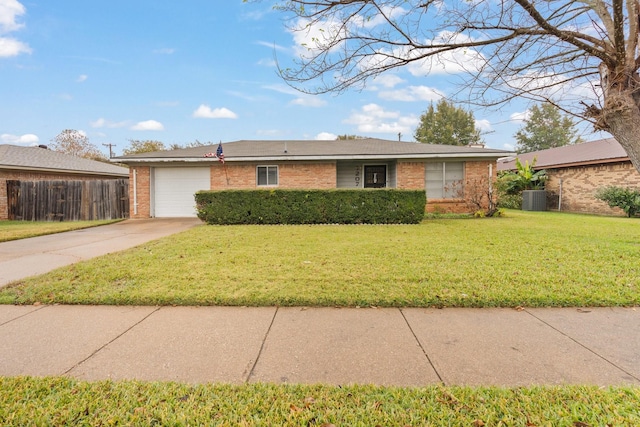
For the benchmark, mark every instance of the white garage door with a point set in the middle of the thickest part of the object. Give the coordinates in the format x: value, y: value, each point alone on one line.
x: 174, y: 190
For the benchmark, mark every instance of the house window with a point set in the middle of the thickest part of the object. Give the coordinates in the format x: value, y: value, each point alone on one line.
x: 267, y: 175
x: 445, y: 180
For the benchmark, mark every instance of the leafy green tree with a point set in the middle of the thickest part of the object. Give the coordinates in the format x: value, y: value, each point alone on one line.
x: 76, y: 143
x: 147, y: 146
x: 546, y: 128
x: 447, y: 124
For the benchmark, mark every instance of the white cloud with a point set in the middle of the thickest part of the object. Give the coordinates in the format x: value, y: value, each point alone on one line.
x: 449, y: 62
x: 12, y: 47
x: 386, y: 80
x: 374, y: 119
x: 148, y: 125
x: 312, y: 37
x: 373, y: 20
x: 412, y: 93
x: 10, y: 10
x: 309, y: 101
x: 326, y: 136
x: 26, y: 139
x: 484, y: 125
x: 82, y: 78
x: 205, y: 112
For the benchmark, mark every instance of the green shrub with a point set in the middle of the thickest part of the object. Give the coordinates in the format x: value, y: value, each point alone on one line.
x: 388, y: 206
x: 626, y: 199
x: 510, y: 201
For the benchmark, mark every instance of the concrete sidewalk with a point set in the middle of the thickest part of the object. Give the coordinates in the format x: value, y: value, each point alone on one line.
x: 404, y: 347
x: 37, y: 255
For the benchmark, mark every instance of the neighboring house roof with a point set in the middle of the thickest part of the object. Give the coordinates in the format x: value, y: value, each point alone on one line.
x: 587, y: 153
x: 357, y: 149
x: 15, y: 157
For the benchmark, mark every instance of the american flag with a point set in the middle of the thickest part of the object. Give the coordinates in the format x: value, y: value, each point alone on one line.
x: 218, y: 154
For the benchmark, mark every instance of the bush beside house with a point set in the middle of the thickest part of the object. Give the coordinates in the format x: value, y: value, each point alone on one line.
x: 386, y: 206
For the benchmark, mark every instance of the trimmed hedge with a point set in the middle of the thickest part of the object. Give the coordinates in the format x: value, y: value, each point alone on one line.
x: 379, y: 206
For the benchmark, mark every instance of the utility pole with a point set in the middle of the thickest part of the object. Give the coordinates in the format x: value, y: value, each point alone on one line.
x: 110, y: 149
x: 399, y: 136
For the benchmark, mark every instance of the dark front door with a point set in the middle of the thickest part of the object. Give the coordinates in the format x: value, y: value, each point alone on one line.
x: 375, y: 176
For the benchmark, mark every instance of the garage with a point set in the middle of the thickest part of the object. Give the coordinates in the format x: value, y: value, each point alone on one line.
x: 174, y: 190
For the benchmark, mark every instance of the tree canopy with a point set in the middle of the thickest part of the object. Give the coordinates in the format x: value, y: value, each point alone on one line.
x: 143, y: 146
x: 582, y: 55
x: 76, y: 143
x: 546, y: 127
x: 447, y: 124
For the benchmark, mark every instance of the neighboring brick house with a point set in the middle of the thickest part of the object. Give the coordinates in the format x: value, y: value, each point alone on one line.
x: 163, y: 183
x: 577, y: 171
x: 40, y: 164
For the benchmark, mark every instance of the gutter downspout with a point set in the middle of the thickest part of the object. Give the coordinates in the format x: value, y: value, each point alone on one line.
x: 560, y: 196
x: 135, y: 191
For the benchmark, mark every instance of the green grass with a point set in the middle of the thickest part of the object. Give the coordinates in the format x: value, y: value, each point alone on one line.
x: 14, y: 230
x: 523, y: 259
x: 61, y: 401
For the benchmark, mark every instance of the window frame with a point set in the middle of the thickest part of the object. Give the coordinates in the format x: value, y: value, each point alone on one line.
x: 445, y: 194
x: 267, y: 170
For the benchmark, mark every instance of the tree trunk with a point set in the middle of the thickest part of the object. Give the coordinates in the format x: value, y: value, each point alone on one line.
x: 622, y: 115
x: 621, y: 112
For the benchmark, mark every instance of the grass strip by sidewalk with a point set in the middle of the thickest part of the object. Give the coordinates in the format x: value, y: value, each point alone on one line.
x: 525, y: 259
x: 15, y: 230
x: 60, y: 401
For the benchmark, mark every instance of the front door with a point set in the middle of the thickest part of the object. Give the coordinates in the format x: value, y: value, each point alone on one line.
x: 375, y: 176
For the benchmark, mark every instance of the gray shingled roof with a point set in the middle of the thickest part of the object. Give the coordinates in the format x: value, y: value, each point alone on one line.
x: 41, y: 159
x: 594, y: 152
x: 245, y: 150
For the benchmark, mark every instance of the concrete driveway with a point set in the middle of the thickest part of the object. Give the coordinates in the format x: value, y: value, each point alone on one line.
x: 37, y: 255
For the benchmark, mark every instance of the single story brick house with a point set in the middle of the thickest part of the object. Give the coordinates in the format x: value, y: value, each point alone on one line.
x: 577, y: 171
x: 163, y: 183
x: 40, y: 164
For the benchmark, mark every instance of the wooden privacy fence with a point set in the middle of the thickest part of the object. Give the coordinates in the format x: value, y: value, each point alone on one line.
x: 68, y: 200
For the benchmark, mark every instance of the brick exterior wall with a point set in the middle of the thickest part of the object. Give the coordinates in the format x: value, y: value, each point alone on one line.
x: 300, y: 175
x: 290, y: 175
x: 11, y: 175
x: 579, y: 185
x: 140, y: 201
x: 410, y: 175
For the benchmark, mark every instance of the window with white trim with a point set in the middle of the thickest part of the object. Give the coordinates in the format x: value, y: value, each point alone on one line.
x: 267, y: 175
x: 445, y: 180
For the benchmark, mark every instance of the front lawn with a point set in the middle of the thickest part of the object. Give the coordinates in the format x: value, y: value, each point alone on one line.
x: 61, y: 401
x: 14, y: 230
x: 523, y: 259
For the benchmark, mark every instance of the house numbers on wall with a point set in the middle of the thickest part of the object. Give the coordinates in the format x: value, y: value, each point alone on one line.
x: 358, y: 173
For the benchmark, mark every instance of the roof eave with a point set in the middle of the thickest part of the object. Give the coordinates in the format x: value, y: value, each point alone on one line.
x: 65, y: 171
x: 495, y: 155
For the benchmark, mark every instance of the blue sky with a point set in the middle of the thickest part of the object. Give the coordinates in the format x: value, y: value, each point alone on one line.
x: 195, y: 70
